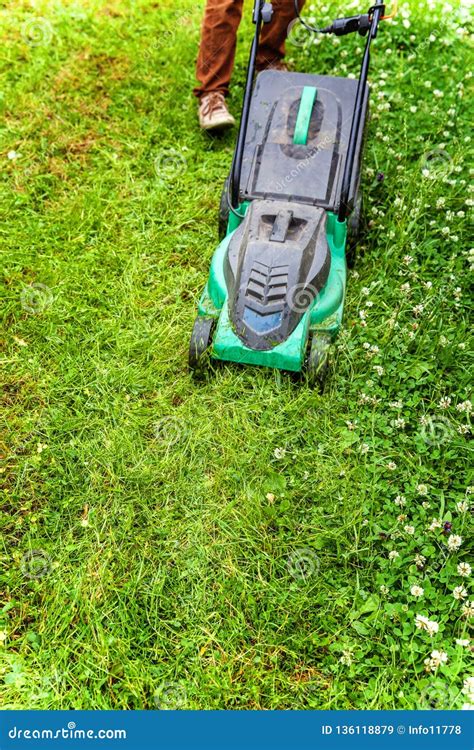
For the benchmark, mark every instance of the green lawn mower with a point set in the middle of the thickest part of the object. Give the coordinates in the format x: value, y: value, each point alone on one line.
x: 290, y: 215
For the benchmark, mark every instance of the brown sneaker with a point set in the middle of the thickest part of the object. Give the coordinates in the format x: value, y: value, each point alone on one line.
x: 213, y: 112
x: 275, y: 64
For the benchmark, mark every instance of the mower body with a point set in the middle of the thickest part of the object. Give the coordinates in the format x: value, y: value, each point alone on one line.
x: 276, y: 287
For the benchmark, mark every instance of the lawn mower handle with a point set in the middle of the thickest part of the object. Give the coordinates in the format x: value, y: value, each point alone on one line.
x: 375, y: 13
x: 262, y: 12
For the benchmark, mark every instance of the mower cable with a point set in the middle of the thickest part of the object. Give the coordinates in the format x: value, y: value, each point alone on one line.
x: 304, y: 23
x: 343, y: 26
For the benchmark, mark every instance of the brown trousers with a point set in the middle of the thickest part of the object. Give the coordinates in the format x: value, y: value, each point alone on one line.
x: 218, y: 39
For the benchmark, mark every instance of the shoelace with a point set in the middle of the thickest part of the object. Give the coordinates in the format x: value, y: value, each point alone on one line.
x: 213, y: 103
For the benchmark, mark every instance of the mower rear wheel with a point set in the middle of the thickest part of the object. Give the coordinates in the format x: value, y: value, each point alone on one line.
x: 318, y: 360
x: 224, y: 211
x: 201, y: 339
x: 354, y: 231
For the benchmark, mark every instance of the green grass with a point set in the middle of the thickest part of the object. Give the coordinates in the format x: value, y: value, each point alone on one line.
x: 154, y: 530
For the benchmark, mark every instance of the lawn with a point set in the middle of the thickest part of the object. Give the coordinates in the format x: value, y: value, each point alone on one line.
x: 242, y: 542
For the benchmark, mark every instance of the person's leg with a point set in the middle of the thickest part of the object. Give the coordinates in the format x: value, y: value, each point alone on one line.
x: 217, y: 48
x: 272, y: 40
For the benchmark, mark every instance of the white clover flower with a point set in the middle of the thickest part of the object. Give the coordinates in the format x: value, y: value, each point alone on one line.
x: 444, y: 402
x: 407, y: 259
x: 391, y: 466
x: 12, y: 155
x: 422, y: 489
x: 393, y: 554
x: 425, y: 505
x: 420, y: 561
x: 417, y: 590
x: 465, y: 406
x: 468, y: 609
x: 400, y: 423
x: 409, y: 529
x: 435, y: 524
x: 396, y: 404
x: 378, y: 369
x: 454, y: 542
x: 384, y: 590
x: 436, y: 659
x: 364, y: 448
x: 463, y: 429
x: 365, y: 290
x: 405, y: 288
x: 366, y: 345
x: 400, y: 500
x: 417, y: 310
x: 279, y: 453
x: 468, y: 688
x: 424, y: 623
x: 464, y: 642
x: 346, y: 658
x: 460, y: 593
x: 462, y: 506
x: 421, y: 622
x: 464, y: 569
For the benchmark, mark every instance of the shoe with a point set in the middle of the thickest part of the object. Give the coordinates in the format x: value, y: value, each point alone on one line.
x: 213, y: 112
x: 275, y: 64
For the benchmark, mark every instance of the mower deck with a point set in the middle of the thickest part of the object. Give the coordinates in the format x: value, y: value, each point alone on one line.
x: 309, y: 171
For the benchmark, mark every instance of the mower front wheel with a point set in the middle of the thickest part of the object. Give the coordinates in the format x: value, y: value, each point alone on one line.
x: 318, y: 360
x: 201, y: 339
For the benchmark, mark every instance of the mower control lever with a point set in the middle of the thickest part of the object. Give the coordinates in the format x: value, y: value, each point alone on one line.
x: 267, y: 12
